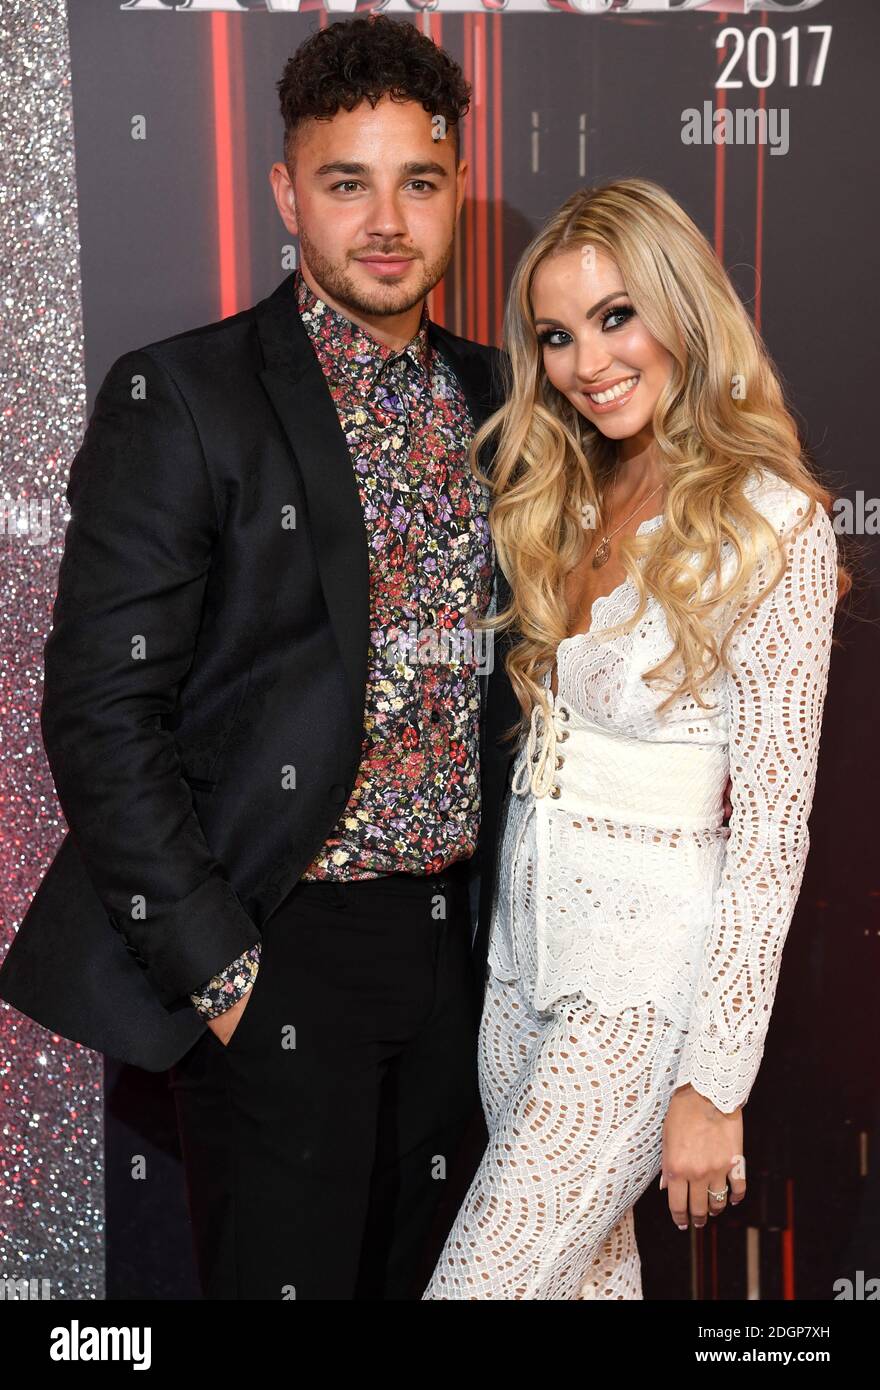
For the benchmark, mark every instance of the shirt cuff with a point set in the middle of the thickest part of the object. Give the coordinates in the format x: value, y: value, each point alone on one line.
x: 228, y: 986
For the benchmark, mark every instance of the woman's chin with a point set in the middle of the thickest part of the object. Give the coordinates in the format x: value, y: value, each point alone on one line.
x: 616, y: 429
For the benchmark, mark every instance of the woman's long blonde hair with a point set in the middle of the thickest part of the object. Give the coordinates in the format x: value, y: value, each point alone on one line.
x: 551, y: 463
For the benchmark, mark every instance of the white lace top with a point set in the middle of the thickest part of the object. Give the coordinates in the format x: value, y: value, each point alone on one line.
x: 617, y: 879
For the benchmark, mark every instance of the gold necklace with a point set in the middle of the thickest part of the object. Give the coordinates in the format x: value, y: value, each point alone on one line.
x: 603, y: 550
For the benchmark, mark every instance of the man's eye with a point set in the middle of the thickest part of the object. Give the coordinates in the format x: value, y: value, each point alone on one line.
x: 354, y: 183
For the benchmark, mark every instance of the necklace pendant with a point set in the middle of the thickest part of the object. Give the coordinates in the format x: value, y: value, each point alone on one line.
x: 602, y: 552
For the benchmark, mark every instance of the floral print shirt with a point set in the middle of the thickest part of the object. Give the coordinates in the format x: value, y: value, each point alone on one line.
x: 415, y: 804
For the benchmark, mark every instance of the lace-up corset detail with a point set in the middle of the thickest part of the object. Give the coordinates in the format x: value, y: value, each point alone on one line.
x: 667, y: 785
x: 542, y: 760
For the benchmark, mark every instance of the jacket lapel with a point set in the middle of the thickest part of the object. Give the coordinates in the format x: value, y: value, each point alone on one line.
x: 295, y: 384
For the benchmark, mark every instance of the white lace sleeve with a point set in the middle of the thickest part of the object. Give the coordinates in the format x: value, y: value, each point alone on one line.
x: 775, y: 700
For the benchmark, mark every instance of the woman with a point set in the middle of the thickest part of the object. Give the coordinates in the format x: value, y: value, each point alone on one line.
x: 659, y: 529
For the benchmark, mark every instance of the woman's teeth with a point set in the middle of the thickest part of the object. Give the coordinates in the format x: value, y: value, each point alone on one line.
x: 611, y: 395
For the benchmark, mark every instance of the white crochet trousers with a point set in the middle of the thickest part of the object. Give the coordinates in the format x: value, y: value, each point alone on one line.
x: 574, y: 1103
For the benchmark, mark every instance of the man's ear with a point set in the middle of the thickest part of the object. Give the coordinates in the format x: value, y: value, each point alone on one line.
x: 461, y: 185
x: 282, y: 191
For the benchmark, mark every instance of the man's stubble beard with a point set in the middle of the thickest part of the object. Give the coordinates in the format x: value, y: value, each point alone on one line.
x: 386, y: 300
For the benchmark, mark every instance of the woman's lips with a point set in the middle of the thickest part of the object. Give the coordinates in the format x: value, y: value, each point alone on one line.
x: 600, y: 407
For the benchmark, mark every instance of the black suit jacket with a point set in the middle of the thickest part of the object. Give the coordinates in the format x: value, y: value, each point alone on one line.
x: 210, y: 640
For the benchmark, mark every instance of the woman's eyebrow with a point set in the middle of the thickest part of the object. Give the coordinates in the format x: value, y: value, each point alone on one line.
x: 590, y: 312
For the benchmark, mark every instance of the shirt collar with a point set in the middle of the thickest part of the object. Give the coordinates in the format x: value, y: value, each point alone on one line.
x: 350, y: 351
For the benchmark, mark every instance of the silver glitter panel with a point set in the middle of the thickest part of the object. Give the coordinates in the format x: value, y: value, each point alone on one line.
x: 51, y: 1090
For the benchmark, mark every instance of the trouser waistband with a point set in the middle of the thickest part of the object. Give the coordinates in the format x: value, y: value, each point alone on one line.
x: 406, y: 884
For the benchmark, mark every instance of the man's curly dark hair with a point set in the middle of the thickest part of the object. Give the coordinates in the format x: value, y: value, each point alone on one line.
x: 369, y: 57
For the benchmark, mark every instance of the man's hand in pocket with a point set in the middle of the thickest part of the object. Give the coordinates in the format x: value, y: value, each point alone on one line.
x: 225, y: 1024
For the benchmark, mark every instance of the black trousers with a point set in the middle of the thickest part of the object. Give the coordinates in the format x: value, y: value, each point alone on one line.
x: 328, y: 1145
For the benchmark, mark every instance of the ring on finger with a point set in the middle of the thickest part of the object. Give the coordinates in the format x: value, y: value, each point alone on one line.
x: 719, y: 1196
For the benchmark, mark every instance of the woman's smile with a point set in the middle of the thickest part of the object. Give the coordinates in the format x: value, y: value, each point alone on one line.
x: 615, y: 396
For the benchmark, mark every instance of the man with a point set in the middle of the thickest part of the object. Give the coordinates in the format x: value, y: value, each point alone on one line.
x: 272, y: 807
